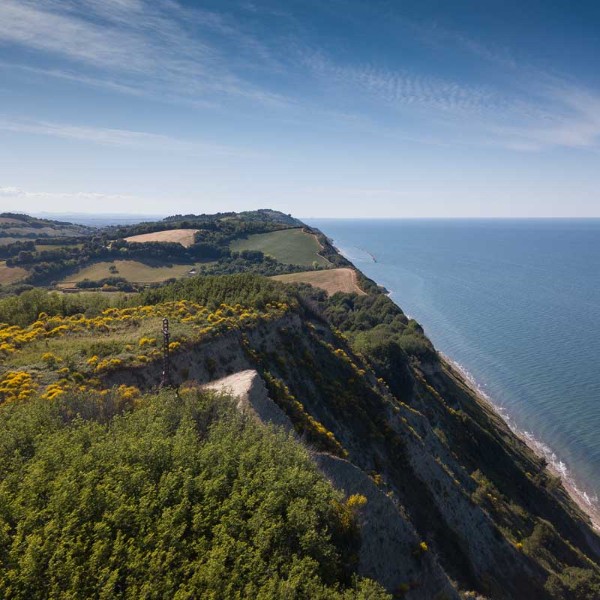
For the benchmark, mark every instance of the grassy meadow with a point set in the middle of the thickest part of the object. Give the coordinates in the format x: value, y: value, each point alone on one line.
x: 131, y: 270
x: 290, y: 246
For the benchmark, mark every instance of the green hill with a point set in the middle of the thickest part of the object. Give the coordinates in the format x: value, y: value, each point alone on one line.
x: 395, y: 471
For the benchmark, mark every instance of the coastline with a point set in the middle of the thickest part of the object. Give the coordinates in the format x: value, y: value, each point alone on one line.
x: 590, y: 507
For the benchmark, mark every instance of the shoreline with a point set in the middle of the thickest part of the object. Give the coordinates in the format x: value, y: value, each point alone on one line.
x: 589, y: 506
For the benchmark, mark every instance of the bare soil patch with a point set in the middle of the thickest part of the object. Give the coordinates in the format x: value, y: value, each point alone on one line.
x: 185, y: 237
x: 11, y: 274
x: 331, y: 280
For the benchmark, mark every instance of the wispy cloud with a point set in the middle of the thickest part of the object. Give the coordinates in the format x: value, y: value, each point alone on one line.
x: 156, y: 47
x: 208, y: 59
x: 402, y: 88
x: 121, y: 138
x: 76, y: 199
x: 574, y: 122
x: 536, y: 112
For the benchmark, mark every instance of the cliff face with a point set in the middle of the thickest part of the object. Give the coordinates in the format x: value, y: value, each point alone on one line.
x: 456, y: 501
x: 457, y: 505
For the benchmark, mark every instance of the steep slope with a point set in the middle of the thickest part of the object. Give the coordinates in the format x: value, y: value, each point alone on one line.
x: 481, y: 502
x: 455, y: 501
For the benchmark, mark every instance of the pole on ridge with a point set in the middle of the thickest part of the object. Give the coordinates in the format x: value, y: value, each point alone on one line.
x: 166, y: 373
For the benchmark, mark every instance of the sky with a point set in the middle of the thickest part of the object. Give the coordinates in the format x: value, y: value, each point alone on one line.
x: 320, y: 108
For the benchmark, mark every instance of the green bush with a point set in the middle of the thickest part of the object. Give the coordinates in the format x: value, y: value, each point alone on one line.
x: 573, y: 582
x: 179, y: 498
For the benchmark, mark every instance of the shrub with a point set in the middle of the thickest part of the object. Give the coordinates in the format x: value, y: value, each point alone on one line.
x: 179, y: 498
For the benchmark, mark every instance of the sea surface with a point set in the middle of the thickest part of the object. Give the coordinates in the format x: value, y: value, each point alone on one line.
x: 516, y: 303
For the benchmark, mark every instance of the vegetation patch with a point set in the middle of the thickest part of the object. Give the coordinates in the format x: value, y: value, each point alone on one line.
x: 131, y: 270
x: 289, y: 246
x: 181, y: 497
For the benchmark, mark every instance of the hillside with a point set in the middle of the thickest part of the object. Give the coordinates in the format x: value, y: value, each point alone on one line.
x: 344, y: 455
x: 130, y: 258
x: 16, y: 227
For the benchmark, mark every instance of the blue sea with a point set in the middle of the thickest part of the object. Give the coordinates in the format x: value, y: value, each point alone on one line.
x: 516, y: 304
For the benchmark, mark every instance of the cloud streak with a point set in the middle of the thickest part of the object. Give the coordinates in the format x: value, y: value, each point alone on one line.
x: 155, y: 47
x: 121, y: 138
x: 208, y: 60
x: 20, y: 194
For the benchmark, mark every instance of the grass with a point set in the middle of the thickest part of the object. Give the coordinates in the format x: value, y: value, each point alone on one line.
x: 5, y: 240
x: 330, y: 280
x: 290, y: 246
x: 131, y: 270
x: 51, y: 247
x: 11, y: 274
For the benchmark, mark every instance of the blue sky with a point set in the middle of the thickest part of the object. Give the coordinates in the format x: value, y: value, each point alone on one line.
x: 319, y: 108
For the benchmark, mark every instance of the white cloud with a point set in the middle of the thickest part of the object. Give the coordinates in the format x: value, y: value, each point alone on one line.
x: 11, y: 191
x: 155, y: 47
x: 78, y: 197
x: 121, y: 137
x: 574, y: 123
x: 402, y: 88
x: 163, y: 49
x: 55, y: 203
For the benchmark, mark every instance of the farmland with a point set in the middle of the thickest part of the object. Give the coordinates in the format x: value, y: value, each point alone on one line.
x: 330, y: 280
x: 290, y: 246
x: 52, y: 247
x: 185, y: 237
x: 11, y: 274
x: 131, y: 270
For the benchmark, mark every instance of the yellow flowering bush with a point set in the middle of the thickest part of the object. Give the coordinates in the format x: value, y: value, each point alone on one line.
x: 198, y: 321
x: 50, y: 359
x: 147, y: 342
x: 16, y: 385
x: 107, y: 364
x: 53, y: 391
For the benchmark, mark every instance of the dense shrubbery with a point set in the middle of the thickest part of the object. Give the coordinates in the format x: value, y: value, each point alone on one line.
x: 371, y: 322
x: 180, y: 498
x: 117, y: 283
x: 574, y: 583
x: 22, y: 310
x: 246, y: 289
x: 250, y: 261
x: 14, y: 249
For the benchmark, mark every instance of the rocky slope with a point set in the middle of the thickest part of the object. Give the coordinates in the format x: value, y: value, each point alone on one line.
x: 456, y: 501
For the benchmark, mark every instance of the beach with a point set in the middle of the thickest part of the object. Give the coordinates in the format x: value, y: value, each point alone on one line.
x: 589, y: 506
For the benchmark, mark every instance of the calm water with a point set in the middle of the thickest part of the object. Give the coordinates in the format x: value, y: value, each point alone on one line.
x: 516, y: 304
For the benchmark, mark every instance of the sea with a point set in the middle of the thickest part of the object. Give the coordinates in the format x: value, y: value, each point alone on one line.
x: 515, y: 304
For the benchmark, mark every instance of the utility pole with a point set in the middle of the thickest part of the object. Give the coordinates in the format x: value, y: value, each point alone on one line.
x: 166, y: 374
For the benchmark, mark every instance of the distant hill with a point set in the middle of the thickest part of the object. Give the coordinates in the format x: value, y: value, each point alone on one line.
x: 262, y: 214
x: 396, y: 471
x: 134, y: 255
x: 15, y: 227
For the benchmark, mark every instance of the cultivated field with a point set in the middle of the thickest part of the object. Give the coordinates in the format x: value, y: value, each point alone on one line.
x: 132, y: 270
x: 185, y: 237
x: 289, y: 246
x: 4, y: 241
x: 51, y: 247
x: 330, y: 280
x: 11, y: 274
